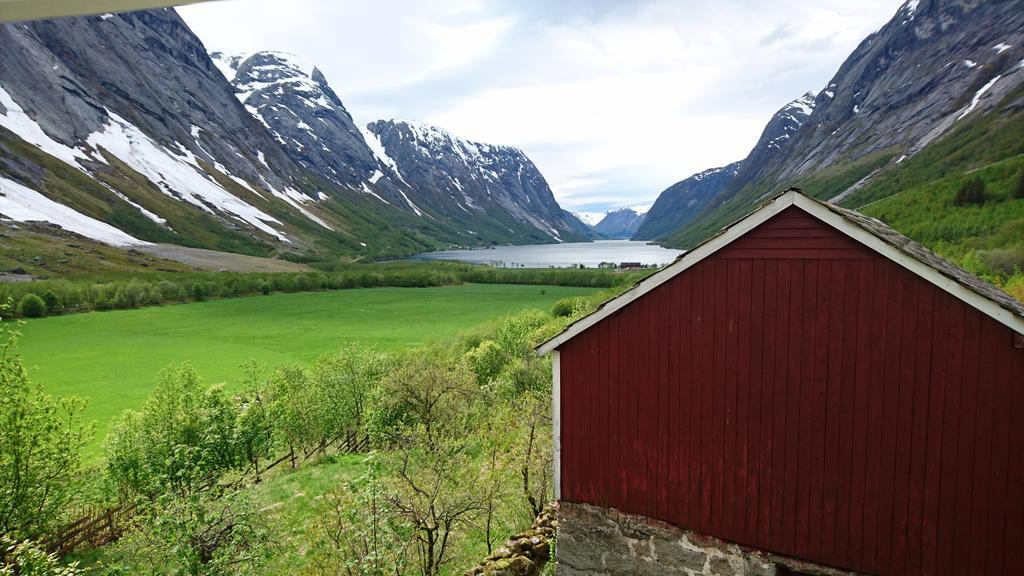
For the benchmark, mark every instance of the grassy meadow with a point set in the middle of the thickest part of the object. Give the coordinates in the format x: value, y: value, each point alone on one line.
x: 113, y: 358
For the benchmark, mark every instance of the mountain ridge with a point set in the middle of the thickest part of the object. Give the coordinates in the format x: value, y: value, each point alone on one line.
x: 931, y: 73
x: 125, y: 121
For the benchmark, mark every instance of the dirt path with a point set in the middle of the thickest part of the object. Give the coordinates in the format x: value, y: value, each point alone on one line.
x: 213, y: 260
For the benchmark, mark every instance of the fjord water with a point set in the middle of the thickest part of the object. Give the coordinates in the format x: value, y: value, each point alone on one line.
x: 589, y: 254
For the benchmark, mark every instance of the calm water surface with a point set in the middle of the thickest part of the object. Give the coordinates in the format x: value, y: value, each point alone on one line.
x: 590, y: 254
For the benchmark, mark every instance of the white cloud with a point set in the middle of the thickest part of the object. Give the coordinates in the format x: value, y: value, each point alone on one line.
x: 614, y: 101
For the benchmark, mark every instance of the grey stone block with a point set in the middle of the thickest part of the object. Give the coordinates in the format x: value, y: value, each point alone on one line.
x: 675, y: 554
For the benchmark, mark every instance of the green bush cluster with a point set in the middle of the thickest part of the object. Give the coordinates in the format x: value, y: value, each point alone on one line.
x: 970, y: 192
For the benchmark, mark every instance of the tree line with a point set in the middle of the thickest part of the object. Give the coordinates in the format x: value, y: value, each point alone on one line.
x: 61, y: 296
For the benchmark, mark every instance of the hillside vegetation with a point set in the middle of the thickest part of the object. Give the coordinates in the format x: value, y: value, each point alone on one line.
x: 460, y: 457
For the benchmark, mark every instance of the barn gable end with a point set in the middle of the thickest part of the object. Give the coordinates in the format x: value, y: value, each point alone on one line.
x: 799, y: 389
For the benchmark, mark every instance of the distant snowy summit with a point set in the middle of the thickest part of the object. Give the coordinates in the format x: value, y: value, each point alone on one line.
x: 622, y: 223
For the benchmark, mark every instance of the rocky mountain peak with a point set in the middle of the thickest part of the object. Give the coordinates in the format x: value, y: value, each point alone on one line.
x: 681, y: 202
x: 472, y: 181
x: 291, y: 97
x: 621, y: 223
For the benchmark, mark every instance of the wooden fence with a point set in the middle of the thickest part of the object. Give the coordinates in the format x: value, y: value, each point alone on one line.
x: 104, y: 525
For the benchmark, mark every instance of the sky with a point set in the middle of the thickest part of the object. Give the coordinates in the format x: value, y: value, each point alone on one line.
x: 613, y: 100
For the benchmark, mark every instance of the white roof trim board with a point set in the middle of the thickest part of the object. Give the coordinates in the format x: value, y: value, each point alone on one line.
x: 868, y: 231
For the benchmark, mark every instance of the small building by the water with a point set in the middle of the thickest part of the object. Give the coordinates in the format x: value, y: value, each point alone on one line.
x: 809, y: 392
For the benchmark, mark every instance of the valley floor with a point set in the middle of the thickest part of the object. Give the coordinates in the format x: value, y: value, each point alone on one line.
x: 113, y: 358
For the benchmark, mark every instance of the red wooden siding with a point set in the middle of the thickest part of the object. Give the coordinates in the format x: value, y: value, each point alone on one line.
x: 822, y: 403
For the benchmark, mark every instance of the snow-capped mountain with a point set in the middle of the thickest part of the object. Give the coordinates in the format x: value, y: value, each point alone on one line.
x: 293, y: 99
x: 938, y: 71
x: 622, y: 223
x: 122, y: 128
x: 589, y: 218
x: 483, y: 187
x: 127, y: 122
x: 683, y: 201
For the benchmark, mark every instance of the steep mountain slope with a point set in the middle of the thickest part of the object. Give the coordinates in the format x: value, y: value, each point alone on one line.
x: 680, y: 203
x: 297, y: 105
x: 293, y: 100
x: 121, y: 128
x: 124, y: 121
x: 489, y: 190
x: 579, y: 225
x: 621, y: 224
x: 938, y: 72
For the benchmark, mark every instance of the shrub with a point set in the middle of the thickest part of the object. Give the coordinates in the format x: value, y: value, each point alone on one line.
x: 183, y: 434
x: 198, y: 291
x: 32, y: 306
x: 40, y: 439
x: 52, y: 301
x: 1018, y: 190
x: 200, y: 533
x: 29, y: 558
x: 566, y: 306
x: 1004, y: 261
x: 971, y: 192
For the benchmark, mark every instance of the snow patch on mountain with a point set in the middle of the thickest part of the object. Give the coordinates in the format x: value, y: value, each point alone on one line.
x: 178, y: 176
x: 17, y: 121
x: 227, y: 62
x: 590, y: 218
x: 374, y: 144
x: 977, y: 97
x: 22, y: 204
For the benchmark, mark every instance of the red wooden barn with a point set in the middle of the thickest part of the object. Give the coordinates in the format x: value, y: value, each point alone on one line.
x: 807, y: 386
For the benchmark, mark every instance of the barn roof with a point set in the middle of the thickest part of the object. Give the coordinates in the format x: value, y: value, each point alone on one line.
x: 869, y: 231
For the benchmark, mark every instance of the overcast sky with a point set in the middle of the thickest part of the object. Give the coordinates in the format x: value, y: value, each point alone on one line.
x: 613, y: 100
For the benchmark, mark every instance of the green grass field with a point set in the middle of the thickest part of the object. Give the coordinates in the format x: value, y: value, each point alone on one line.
x: 113, y: 358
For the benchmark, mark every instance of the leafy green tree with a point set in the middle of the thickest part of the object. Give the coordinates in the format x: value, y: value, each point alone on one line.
x: 971, y: 192
x: 198, y: 291
x: 296, y: 410
x: 40, y: 439
x: 183, y: 436
x: 1018, y: 190
x: 32, y: 306
x: 254, y: 430
x: 345, y: 380
x: 52, y: 301
x: 200, y: 534
x: 433, y: 451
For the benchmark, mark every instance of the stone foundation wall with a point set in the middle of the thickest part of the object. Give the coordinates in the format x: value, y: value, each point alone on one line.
x: 523, y: 554
x: 595, y: 541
